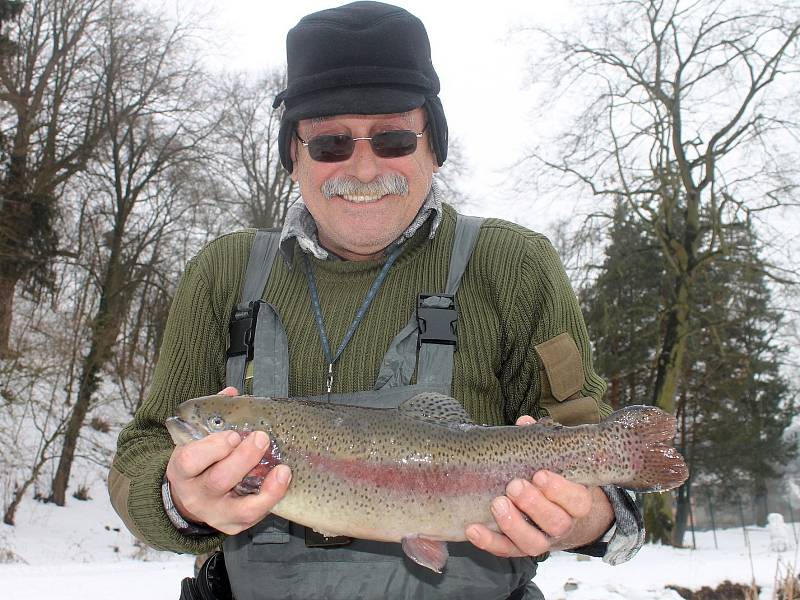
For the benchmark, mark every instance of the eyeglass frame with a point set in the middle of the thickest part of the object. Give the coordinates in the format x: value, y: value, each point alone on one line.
x: 418, y: 135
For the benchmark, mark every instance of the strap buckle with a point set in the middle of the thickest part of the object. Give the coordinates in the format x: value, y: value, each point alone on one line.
x: 437, y: 324
x: 243, y: 329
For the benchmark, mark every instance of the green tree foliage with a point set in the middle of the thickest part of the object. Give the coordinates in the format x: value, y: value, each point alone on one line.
x: 737, y: 403
x: 9, y: 10
x: 49, y: 111
x: 733, y: 403
x: 677, y: 108
x: 622, y: 309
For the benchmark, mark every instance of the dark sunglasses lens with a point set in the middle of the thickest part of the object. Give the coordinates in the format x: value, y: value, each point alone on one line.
x: 391, y: 144
x: 331, y: 148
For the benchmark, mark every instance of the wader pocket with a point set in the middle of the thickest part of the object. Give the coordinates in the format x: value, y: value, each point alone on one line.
x: 275, y: 531
x: 561, y: 379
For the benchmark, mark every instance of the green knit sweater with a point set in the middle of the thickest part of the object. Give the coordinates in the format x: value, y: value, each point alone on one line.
x: 514, y: 295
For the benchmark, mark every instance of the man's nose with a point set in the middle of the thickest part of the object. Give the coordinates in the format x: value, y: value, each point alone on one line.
x: 364, y: 162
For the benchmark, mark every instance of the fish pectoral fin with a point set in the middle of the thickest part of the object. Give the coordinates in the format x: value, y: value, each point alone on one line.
x: 426, y: 552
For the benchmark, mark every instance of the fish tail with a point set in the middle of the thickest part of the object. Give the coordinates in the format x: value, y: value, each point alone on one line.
x: 646, y: 435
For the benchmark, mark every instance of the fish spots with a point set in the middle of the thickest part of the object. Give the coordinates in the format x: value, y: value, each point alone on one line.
x: 421, y: 455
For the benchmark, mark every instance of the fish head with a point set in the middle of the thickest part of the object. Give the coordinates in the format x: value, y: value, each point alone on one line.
x: 199, y: 417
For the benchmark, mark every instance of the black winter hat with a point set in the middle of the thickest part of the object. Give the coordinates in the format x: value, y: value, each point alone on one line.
x: 362, y: 58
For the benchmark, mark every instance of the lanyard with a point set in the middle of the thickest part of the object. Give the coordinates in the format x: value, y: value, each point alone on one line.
x: 373, y: 291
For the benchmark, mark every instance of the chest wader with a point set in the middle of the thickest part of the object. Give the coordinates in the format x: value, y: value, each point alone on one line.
x: 280, y: 560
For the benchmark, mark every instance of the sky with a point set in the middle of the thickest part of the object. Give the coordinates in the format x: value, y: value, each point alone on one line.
x: 482, y: 67
x: 493, y: 107
x: 491, y: 95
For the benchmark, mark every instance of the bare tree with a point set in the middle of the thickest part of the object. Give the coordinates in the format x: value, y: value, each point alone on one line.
x: 685, y: 114
x: 453, y: 172
x: 51, y: 123
x: 133, y: 190
x: 248, y: 172
x: 34, y: 413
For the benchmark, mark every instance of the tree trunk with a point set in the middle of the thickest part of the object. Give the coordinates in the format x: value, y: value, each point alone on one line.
x: 658, y: 507
x: 658, y: 517
x: 7, y: 287
x: 88, y: 385
x: 683, y: 495
x: 104, y: 330
x: 11, y: 510
x: 670, y: 359
x: 613, y: 393
x: 761, y: 504
x: 669, y: 369
x: 683, y: 498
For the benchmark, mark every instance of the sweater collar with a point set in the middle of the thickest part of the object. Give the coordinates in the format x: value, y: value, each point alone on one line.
x: 300, y: 226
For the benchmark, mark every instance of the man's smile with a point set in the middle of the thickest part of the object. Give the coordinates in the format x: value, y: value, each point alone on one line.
x: 362, y: 199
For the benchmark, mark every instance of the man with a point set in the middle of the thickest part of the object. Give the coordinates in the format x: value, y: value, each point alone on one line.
x: 363, y: 133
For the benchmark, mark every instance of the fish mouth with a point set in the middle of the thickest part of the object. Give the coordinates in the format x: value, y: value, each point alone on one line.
x: 183, y: 432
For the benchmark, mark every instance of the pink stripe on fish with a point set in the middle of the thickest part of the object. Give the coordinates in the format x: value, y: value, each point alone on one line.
x: 412, y: 477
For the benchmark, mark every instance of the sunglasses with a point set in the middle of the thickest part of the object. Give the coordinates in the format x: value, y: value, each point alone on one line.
x: 387, y: 144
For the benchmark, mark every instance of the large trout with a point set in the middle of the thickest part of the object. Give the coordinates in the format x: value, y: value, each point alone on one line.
x: 421, y: 473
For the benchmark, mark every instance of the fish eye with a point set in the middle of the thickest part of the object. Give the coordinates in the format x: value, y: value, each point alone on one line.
x: 216, y: 423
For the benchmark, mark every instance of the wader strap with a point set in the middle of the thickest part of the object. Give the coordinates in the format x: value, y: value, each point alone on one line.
x: 466, y: 236
x: 271, y: 361
x: 432, y: 359
x: 245, y: 315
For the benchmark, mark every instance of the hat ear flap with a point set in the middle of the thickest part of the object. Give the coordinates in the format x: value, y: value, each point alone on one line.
x: 285, y: 142
x: 437, y: 125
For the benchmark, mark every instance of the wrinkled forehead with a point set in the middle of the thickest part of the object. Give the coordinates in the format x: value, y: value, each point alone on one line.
x: 411, y: 119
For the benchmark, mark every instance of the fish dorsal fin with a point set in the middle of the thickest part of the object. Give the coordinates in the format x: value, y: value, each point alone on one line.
x: 436, y: 408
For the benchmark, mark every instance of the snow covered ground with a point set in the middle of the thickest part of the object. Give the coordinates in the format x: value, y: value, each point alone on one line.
x: 82, y: 552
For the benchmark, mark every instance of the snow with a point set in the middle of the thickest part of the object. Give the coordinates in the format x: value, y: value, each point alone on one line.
x: 83, y: 552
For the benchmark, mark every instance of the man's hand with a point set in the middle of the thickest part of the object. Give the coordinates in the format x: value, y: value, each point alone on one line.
x: 544, y: 514
x: 203, y: 473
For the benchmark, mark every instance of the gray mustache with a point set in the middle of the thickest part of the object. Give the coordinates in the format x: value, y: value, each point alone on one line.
x: 382, y: 185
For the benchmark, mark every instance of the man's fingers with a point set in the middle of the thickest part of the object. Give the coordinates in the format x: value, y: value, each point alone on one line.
x: 246, y: 511
x: 525, y: 420
x: 195, y: 457
x: 229, y: 391
x: 274, y: 487
x: 514, y: 524
x: 574, y: 498
x: 551, y: 518
x: 491, y: 541
x: 225, y: 474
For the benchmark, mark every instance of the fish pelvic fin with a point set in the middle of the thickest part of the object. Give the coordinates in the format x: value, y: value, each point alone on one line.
x: 646, y: 434
x: 429, y: 553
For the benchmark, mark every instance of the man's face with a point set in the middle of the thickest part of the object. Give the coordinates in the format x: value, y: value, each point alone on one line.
x: 358, y: 226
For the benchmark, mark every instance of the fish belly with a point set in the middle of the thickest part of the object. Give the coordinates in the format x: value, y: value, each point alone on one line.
x: 389, y: 502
